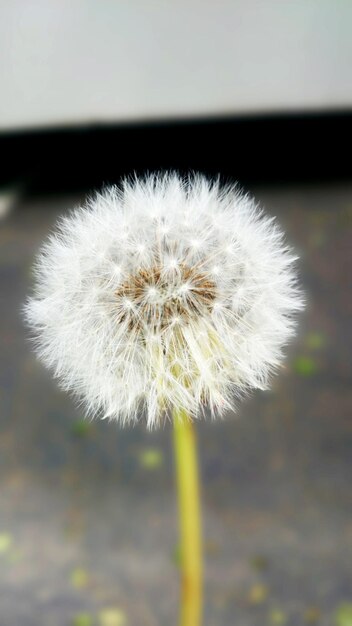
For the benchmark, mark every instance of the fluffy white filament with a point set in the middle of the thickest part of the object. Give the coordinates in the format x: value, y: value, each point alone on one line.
x: 164, y: 293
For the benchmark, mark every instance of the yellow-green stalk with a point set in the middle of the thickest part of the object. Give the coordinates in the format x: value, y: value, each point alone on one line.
x: 190, y: 519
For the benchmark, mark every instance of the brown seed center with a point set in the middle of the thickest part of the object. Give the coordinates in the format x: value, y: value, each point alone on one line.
x: 156, y: 298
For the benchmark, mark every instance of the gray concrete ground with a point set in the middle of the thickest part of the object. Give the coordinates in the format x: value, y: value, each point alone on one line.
x: 88, y: 527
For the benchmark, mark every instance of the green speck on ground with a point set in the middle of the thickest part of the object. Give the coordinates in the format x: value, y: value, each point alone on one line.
x: 81, y: 428
x: 277, y: 617
x: 304, y: 366
x: 82, y: 619
x: 343, y: 614
x: 112, y: 617
x: 79, y: 578
x: 150, y: 458
x: 258, y: 594
x: 5, y: 542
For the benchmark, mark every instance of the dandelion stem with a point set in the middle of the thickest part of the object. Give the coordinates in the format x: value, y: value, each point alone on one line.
x: 190, y: 519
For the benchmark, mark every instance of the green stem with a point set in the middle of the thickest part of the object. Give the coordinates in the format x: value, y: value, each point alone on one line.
x: 190, y: 519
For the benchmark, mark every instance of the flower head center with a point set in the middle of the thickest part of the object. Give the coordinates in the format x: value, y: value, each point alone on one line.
x: 158, y: 297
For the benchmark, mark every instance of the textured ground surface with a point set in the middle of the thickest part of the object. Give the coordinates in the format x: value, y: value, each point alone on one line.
x: 88, y: 531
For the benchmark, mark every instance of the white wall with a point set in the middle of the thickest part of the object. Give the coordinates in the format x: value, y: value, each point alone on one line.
x: 69, y: 61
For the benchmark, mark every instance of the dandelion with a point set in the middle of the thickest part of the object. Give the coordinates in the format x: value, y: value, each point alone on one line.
x: 165, y: 296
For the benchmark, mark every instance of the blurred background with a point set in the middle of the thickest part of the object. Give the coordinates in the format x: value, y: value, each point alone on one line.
x: 256, y: 91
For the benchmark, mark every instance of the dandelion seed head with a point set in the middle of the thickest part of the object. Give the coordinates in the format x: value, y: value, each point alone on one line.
x: 164, y: 293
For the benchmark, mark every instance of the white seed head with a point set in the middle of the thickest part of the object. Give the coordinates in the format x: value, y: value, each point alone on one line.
x: 165, y: 293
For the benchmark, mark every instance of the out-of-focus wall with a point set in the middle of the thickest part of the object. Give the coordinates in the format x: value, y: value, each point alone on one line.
x: 79, y: 61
